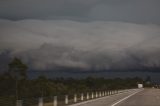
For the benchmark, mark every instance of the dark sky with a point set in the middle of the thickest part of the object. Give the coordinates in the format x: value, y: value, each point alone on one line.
x: 81, y: 34
x: 137, y: 11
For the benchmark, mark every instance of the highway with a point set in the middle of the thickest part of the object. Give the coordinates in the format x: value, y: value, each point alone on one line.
x: 137, y: 97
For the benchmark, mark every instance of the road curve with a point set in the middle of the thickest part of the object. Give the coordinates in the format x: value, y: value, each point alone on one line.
x: 113, y: 100
x: 143, y: 97
x: 148, y: 97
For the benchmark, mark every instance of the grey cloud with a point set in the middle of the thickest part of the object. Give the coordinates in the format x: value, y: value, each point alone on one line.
x: 137, y: 11
x: 21, y: 9
x: 95, y: 45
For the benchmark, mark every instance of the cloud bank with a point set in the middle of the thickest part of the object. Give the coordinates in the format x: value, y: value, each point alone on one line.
x: 99, y: 45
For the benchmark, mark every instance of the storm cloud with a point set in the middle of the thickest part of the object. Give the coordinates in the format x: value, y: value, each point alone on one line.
x: 98, y: 45
x: 134, y: 11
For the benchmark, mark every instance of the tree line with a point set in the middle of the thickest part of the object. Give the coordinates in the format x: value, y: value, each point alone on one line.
x: 15, y: 83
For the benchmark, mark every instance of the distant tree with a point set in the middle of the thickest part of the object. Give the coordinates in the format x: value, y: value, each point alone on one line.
x: 17, y: 70
x: 42, y: 83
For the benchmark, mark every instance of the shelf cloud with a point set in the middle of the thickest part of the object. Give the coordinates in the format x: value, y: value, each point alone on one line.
x: 98, y: 45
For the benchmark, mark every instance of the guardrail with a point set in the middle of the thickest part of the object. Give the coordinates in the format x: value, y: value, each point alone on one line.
x: 61, y: 100
x: 65, y: 99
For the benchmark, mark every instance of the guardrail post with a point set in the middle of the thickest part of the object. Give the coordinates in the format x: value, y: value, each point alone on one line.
x: 103, y: 93
x: 82, y: 97
x: 40, y: 101
x: 92, y: 95
x: 55, y: 101
x: 96, y: 94
x: 75, y: 98
x: 99, y: 94
x: 19, y: 103
x: 87, y: 96
x: 66, y: 99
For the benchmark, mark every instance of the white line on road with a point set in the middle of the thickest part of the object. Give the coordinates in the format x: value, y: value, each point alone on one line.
x: 96, y: 99
x: 125, y: 98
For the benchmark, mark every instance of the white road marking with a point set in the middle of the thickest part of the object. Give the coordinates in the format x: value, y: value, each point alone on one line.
x: 124, y: 98
x: 96, y: 99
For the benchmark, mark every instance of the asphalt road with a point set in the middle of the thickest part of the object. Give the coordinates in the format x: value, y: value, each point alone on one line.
x: 148, y: 97
x: 143, y: 97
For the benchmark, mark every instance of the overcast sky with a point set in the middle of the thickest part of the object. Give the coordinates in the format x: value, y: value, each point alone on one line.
x: 83, y: 34
x: 138, y: 11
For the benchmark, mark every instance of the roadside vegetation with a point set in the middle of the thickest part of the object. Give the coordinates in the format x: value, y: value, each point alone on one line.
x: 14, y: 83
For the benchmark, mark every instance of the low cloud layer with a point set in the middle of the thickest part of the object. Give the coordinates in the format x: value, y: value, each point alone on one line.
x: 99, y: 45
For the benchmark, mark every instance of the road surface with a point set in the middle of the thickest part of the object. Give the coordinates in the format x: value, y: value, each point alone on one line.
x: 143, y: 97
